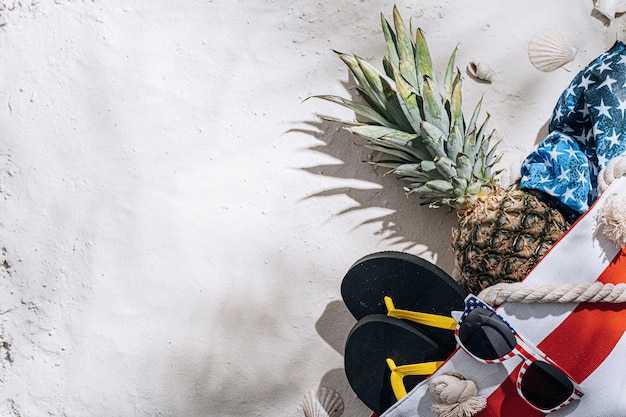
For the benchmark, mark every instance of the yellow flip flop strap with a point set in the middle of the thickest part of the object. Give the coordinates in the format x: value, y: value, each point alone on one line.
x: 399, y: 372
x: 432, y: 320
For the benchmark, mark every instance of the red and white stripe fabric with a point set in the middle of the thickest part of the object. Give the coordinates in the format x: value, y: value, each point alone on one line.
x: 587, y: 340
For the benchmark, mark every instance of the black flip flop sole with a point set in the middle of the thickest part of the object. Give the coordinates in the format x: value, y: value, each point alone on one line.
x: 376, y: 338
x: 412, y: 283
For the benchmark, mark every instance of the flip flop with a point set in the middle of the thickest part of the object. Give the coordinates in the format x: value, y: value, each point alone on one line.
x: 386, y: 357
x: 411, y: 282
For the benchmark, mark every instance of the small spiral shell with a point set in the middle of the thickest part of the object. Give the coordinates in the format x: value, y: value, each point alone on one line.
x: 481, y: 71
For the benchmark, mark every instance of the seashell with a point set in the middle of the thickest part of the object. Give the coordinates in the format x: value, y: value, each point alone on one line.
x: 481, y: 71
x: 610, y: 8
x: 550, y: 50
x: 322, y: 402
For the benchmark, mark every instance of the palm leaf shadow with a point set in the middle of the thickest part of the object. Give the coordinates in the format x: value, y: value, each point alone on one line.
x: 408, y: 224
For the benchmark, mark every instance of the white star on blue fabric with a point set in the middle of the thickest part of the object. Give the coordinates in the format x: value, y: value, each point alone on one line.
x: 608, y: 82
x: 583, y: 139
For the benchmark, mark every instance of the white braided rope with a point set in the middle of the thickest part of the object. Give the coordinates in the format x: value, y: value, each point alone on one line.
x: 546, y: 293
x: 615, y: 168
x: 456, y: 396
x: 612, y: 219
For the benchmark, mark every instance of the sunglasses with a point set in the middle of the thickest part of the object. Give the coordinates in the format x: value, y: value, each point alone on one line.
x: 488, y: 338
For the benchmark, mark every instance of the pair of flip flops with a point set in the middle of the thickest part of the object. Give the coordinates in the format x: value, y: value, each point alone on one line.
x: 404, y: 331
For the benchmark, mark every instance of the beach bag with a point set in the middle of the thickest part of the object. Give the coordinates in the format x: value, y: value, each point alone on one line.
x: 585, y: 339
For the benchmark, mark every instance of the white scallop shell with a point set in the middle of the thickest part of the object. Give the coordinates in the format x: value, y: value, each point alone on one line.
x: 481, y: 71
x: 610, y: 8
x: 322, y: 402
x: 550, y: 50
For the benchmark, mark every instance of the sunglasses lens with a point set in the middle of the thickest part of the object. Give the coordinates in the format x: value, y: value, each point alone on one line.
x: 485, y: 336
x: 545, y: 387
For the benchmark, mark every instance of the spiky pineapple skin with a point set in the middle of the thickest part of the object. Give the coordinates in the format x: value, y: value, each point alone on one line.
x: 503, y: 236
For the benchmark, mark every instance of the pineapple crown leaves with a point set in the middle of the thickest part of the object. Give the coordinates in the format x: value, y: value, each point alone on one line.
x: 419, y: 127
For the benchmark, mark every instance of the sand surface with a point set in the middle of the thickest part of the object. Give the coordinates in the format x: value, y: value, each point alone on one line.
x: 176, y: 221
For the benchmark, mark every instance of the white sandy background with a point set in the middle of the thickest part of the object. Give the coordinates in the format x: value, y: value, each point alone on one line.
x: 175, y: 221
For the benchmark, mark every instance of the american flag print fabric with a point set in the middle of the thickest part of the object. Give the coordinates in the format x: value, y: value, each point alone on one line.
x: 587, y: 129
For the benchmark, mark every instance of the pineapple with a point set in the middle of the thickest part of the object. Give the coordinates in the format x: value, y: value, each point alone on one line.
x: 501, y: 233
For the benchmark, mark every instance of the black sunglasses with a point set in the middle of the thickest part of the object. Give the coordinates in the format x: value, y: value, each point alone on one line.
x: 489, y: 338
